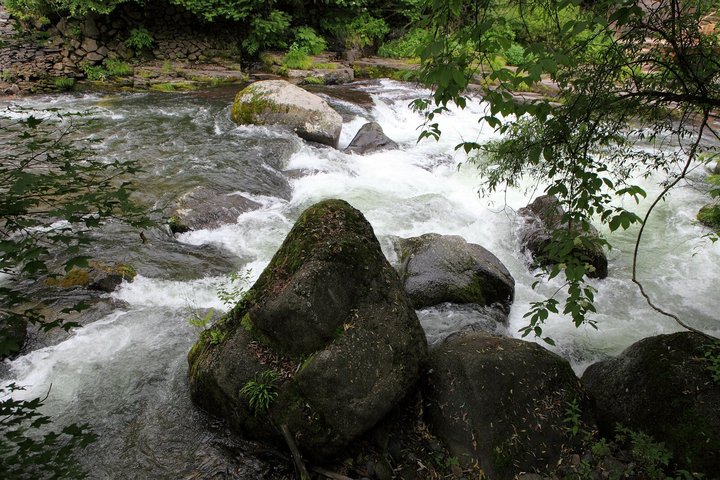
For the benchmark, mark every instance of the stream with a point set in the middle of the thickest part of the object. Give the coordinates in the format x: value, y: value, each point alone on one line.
x: 125, y: 371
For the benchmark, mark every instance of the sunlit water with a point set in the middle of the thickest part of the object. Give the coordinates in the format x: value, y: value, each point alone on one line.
x: 125, y: 374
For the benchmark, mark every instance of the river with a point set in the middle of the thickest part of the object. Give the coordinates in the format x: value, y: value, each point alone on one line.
x: 125, y: 372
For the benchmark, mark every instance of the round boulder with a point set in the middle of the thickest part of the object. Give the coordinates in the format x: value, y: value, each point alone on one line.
x: 370, y: 138
x: 326, y: 332
x: 445, y: 268
x: 277, y: 102
x: 500, y: 402
x: 544, y: 216
x: 664, y: 387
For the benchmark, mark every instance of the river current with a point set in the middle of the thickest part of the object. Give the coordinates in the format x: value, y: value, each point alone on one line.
x: 125, y: 372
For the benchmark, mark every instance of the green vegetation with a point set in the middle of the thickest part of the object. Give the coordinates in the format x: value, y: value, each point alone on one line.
x: 261, y: 391
x: 64, y: 83
x: 408, y: 46
x: 140, y: 39
x: 117, y: 68
x: 297, y: 58
x: 306, y: 38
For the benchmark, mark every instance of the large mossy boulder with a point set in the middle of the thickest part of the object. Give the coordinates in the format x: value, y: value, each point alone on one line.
x: 370, y: 138
x: 544, y: 216
x: 445, y: 268
x: 500, y: 402
x: 327, y: 328
x: 277, y: 102
x: 664, y: 387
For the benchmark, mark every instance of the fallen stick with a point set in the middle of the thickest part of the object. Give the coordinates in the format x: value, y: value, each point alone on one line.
x: 297, y: 458
x: 329, y: 474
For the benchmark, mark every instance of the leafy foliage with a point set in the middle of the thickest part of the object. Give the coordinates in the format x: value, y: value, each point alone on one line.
x: 307, y: 39
x: 266, y: 33
x: 140, y: 39
x: 24, y: 455
x: 408, y: 46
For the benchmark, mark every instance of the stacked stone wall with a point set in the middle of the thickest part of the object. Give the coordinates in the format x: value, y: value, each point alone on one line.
x: 32, y: 58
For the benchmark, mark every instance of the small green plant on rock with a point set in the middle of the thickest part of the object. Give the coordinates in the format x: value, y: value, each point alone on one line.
x: 261, y: 391
x: 95, y: 73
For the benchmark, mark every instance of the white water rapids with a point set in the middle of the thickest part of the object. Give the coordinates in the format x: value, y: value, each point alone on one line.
x: 125, y: 373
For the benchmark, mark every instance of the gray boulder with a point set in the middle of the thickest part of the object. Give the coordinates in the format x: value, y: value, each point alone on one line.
x: 277, y: 102
x: 370, y: 138
x: 664, y: 387
x: 545, y: 215
x: 500, y: 402
x: 445, y: 268
x: 327, y: 328
x: 203, y: 207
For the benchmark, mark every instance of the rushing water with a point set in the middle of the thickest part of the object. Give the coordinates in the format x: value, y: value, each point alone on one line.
x: 125, y: 373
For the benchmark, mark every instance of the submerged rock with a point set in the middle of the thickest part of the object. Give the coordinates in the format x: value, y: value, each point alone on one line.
x: 664, y: 387
x: 542, y: 217
x: 203, y: 207
x: 445, y: 268
x: 277, y: 102
x: 370, y: 138
x: 500, y: 402
x: 327, y: 329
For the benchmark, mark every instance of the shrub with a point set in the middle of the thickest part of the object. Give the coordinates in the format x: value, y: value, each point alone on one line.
x: 515, y: 55
x: 308, y: 39
x: 407, y: 46
x: 267, y: 32
x: 140, y: 39
x: 297, y: 58
x: 359, y: 33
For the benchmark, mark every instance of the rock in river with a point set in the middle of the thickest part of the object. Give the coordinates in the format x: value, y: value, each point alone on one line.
x: 370, y: 138
x: 277, y: 102
x: 326, y: 332
x: 542, y: 217
x: 445, y: 268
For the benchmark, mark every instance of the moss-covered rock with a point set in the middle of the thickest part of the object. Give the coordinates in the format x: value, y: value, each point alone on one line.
x: 277, y: 102
x: 445, y: 268
x: 709, y: 215
x: 545, y: 215
x: 105, y: 277
x: 664, y: 387
x: 330, y: 317
x: 500, y: 402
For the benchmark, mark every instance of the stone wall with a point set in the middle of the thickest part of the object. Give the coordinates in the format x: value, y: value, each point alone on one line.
x: 33, y: 60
